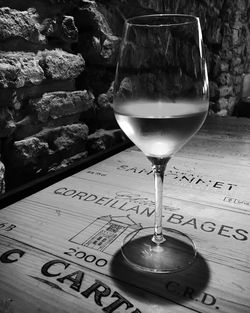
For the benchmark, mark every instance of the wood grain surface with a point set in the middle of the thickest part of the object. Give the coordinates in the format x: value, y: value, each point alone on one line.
x: 60, y: 247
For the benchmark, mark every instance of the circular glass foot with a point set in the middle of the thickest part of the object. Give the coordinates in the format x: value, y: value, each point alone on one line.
x: 173, y: 254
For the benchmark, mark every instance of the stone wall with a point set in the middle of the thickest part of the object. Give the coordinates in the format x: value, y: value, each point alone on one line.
x: 57, y: 65
x: 57, y: 62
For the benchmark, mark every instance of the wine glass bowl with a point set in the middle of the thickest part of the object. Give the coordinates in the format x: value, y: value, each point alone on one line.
x: 160, y: 102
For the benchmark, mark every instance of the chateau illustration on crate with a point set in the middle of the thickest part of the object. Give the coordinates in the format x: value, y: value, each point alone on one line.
x: 102, y: 233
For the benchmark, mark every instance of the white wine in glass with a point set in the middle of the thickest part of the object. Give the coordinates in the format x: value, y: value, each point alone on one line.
x: 160, y: 102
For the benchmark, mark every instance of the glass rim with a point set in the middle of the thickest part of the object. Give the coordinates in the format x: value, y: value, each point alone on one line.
x: 132, y: 21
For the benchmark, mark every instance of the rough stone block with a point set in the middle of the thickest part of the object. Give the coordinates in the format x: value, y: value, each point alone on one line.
x: 236, y: 61
x: 226, y: 91
x: 60, y: 27
x: 227, y: 104
x: 224, y: 78
x: 39, y: 26
x: 103, y: 139
x: 20, y: 24
x: 64, y: 141
x: 99, y: 51
x: 26, y: 159
x: 47, y: 149
x: 224, y: 66
x: 238, y: 69
x: 60, y: 104
x: 30, y: 151
x: 104, y: 100
x: 222, y: 113
x: 227, y: 53
x: 222, y: 104
x: 237, y: 35
x: 18, y: 69
x: 59, y: 64
x: 238, y: 80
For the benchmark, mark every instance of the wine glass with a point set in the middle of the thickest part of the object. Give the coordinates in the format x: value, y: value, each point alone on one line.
x: 160, y: 102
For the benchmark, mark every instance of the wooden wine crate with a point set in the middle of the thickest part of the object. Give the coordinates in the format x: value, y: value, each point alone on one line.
x: 60, y: 247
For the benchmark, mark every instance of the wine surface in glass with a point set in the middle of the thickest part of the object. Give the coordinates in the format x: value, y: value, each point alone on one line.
x: 160, y: 128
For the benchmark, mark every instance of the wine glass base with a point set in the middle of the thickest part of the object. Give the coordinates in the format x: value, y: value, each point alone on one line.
x: 175, y: 253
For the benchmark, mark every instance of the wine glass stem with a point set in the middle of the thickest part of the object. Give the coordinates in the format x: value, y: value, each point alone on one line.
x: 158, y: 170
